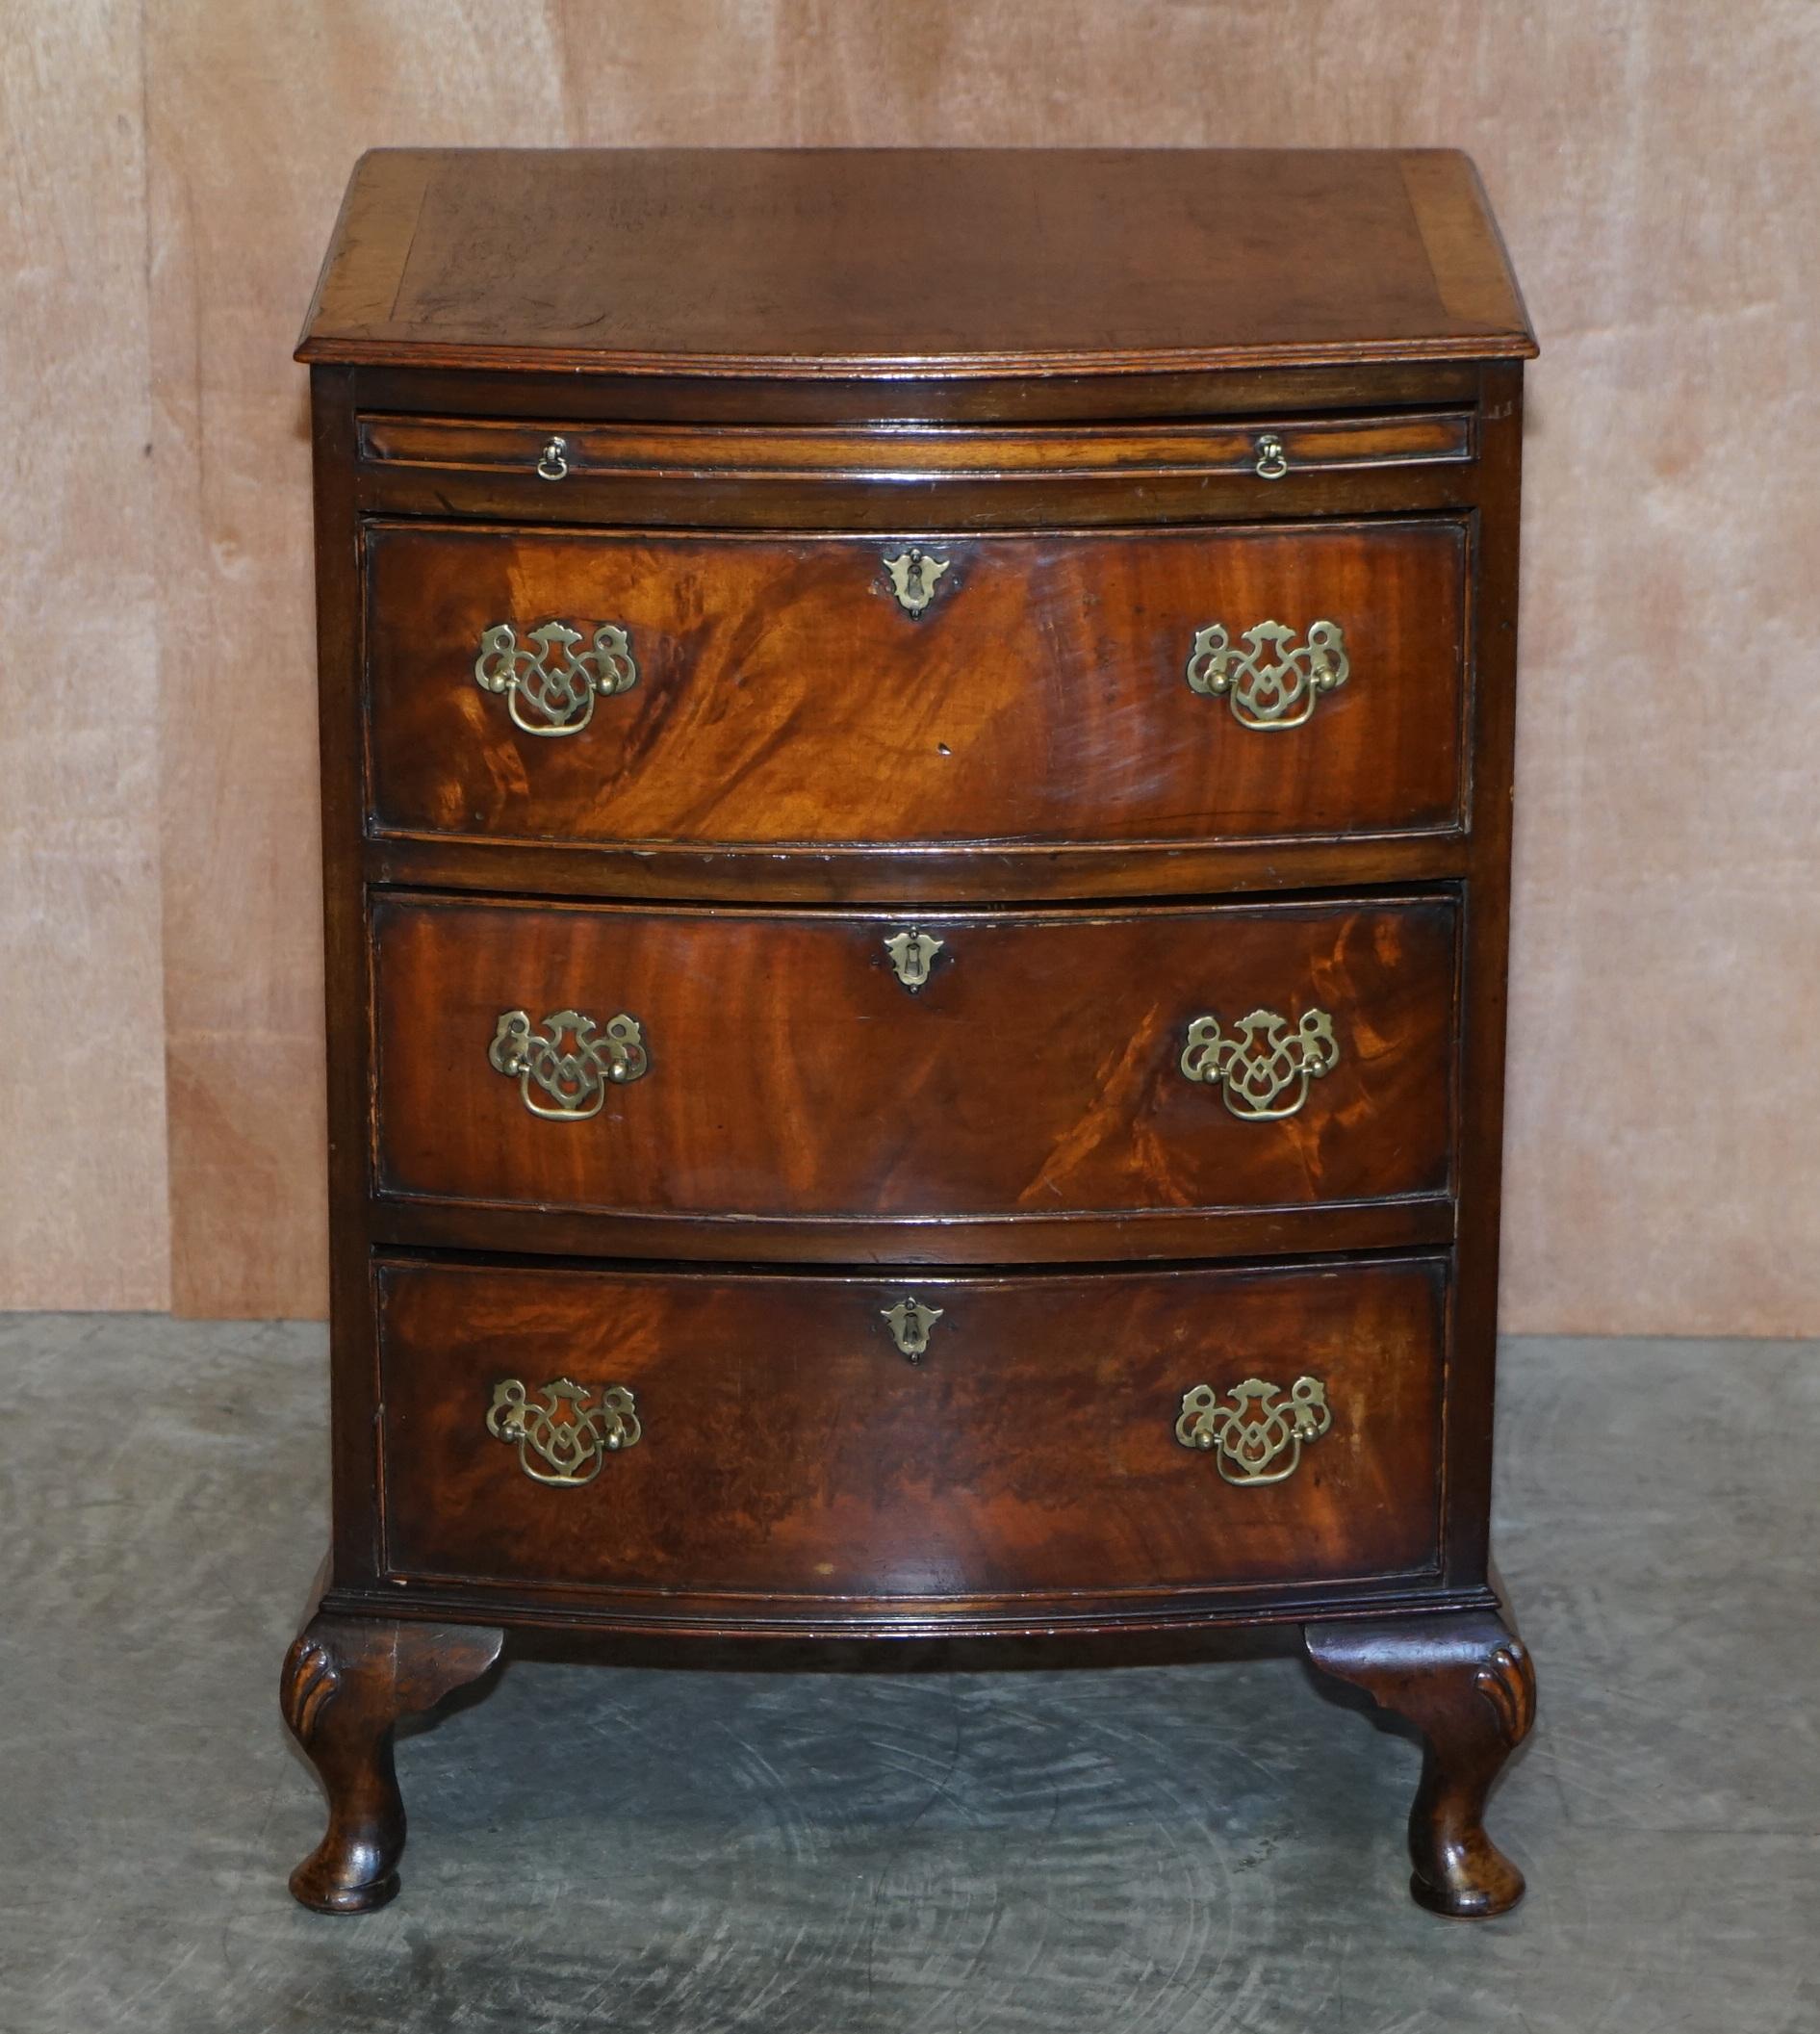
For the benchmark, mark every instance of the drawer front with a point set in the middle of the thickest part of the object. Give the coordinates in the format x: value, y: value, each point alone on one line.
x: 1166, y: 686
x: 1267, y: 450
x: 853, y: 1067
x: 1115, y: 1433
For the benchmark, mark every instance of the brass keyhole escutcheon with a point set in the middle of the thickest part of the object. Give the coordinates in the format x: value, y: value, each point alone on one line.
x: 913, y: 575
x: 913, y: 954
x: 910, y: 1321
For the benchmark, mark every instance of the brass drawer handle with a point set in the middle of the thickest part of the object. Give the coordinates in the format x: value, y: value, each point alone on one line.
x: 575, y: 1077
x: 553, y: 462
x: 1267, y: 685
x: 1272, y: 461
x: 568, y: 1435
x: 1261, y: 1059
x: 549, y: 690
x: 1259, y: 1426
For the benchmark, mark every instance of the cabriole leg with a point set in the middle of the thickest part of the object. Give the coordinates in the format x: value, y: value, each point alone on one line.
x: 346, y: 1681
x: 1467, y: 1684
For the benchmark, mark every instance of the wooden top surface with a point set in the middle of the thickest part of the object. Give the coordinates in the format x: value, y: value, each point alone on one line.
x: 806, y: 262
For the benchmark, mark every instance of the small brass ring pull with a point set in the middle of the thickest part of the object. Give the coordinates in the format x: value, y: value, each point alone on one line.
x: 553, y: 462
x: 568, y: 1435
x: 548, y: 689
x: 1272, y: 461
x: 1261, y: 1060
x: 571, y: 1061
x: 1269, y: 686
x: 1257, y: 1428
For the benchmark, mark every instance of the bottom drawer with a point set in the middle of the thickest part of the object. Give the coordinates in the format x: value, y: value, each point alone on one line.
x: 807, y: 1438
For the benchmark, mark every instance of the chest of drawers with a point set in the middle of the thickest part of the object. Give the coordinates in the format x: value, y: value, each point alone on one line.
x: 916, y: 764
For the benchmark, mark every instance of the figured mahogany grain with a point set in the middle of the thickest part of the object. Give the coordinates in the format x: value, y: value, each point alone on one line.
x: 783, y: 696
x: 791, y: 1074
x: 789, y: 1450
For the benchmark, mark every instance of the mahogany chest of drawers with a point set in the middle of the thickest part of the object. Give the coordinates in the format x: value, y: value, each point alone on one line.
x: 916, y: 764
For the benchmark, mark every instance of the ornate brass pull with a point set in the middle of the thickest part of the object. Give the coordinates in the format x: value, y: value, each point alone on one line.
x: 913, y: 575
x: 1272, y: 461
x: 1254, y: 1433
x: 575, y: 1077
x: 549, y: 690
x: 553, y: 462
x: 1261, y: 1059
x: 1269, y: 686
x: 913, y: 954
x: 568, y: 1435
x: 910, y: 1322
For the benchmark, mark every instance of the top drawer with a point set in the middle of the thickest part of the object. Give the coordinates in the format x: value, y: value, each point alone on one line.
x: 1134, y: 452
x: 1168, y: 686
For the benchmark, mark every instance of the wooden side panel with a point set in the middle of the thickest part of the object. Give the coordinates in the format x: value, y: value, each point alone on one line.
x: 787, y: 1447
x: 784, y: 695
x: 1036, y: 1073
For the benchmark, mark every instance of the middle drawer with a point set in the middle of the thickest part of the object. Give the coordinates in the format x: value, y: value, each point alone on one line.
x: 850, y: 1067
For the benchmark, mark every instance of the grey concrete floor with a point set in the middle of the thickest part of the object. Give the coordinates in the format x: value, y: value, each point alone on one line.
x: 1139, y: 1849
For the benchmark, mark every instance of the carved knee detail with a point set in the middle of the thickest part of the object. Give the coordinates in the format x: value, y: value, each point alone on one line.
x: 308, y: 1685
x: 1507, y: 1681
